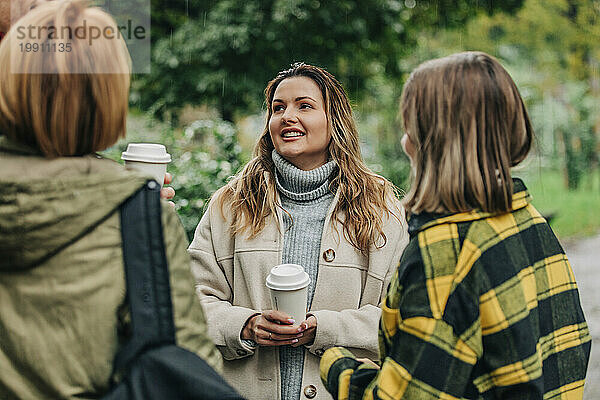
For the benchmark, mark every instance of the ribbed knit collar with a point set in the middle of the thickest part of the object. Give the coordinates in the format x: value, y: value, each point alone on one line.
x: 296, y: 184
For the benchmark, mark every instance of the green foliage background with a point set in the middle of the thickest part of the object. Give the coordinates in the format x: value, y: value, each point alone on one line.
x: 205, y: 155
x: 223, y: 53
x: 212, y: 60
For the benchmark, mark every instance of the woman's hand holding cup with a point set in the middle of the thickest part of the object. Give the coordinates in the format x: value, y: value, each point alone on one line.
x: 309, y: 330
x: 273, y: 328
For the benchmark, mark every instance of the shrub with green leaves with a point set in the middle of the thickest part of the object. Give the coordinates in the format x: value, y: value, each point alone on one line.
x: 204, y: 157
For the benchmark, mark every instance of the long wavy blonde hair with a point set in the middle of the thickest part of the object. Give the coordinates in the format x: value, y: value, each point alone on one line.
x: 365, y: 198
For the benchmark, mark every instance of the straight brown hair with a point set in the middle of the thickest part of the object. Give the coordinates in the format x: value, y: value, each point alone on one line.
x: 67, y: 112
x: 469, y: 126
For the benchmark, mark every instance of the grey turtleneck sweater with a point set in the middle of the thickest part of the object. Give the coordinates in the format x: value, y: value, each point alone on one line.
x: 306, y: 196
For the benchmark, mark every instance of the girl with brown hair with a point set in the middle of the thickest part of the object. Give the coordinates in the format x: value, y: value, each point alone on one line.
x: 484, y: 303
x: 307, y: 198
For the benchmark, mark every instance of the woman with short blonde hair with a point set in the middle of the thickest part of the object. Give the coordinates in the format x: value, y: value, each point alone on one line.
x: 64, y: 312
x: 63, y: 103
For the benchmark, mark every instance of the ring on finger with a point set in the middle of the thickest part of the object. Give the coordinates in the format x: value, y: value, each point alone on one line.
x: 270, y: 336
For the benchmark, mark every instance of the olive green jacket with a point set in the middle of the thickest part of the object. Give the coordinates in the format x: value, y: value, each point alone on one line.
x: 62, y: 284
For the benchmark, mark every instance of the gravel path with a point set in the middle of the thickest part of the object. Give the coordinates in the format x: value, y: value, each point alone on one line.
x: 584, y: 256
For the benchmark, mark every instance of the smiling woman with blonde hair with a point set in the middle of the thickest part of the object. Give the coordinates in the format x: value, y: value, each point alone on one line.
x: 306, y: 198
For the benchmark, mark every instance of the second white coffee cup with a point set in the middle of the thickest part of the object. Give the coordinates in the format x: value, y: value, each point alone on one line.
x: 288, y: 284
x: 148, y: 158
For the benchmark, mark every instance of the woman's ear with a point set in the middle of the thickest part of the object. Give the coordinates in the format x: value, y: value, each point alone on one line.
x: 408, y: 147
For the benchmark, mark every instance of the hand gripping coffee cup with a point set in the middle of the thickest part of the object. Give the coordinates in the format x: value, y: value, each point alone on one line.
x: 288, y: 284
x: 148, y: 158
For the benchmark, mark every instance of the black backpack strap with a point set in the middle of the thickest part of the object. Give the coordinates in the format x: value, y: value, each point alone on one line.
x: 147, y: 274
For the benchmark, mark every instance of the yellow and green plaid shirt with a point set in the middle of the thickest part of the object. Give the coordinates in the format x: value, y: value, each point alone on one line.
x: 482, y: 306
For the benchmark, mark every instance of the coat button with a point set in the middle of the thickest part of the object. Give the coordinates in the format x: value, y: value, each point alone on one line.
x: 310, y: 391
x: 151, y: 185
x: 329, y: 255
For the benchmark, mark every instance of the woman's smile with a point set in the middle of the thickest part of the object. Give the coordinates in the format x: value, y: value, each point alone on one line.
x: 290, y: 134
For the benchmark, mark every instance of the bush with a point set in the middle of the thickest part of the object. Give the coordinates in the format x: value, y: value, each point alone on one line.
x: 205, y: 157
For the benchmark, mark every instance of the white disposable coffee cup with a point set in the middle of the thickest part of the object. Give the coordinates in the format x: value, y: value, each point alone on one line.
x: 288, y: 284
x: 148, y: 158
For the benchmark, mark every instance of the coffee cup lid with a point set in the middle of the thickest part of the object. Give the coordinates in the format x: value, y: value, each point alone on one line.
x: 146, y: 152
x: 287, y: 277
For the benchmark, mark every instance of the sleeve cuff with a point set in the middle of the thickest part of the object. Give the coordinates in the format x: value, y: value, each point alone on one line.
x: 236, y: 348
x: 326, y: 335
x: 335, y: 361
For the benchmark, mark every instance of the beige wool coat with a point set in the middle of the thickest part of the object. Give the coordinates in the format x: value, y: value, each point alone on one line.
x: 230, y: 273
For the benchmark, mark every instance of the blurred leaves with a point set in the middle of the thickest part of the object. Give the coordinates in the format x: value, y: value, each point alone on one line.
x: 204, y: 158
x: 222, y: 53
x: 205, y: 155
x: 552, y: 50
